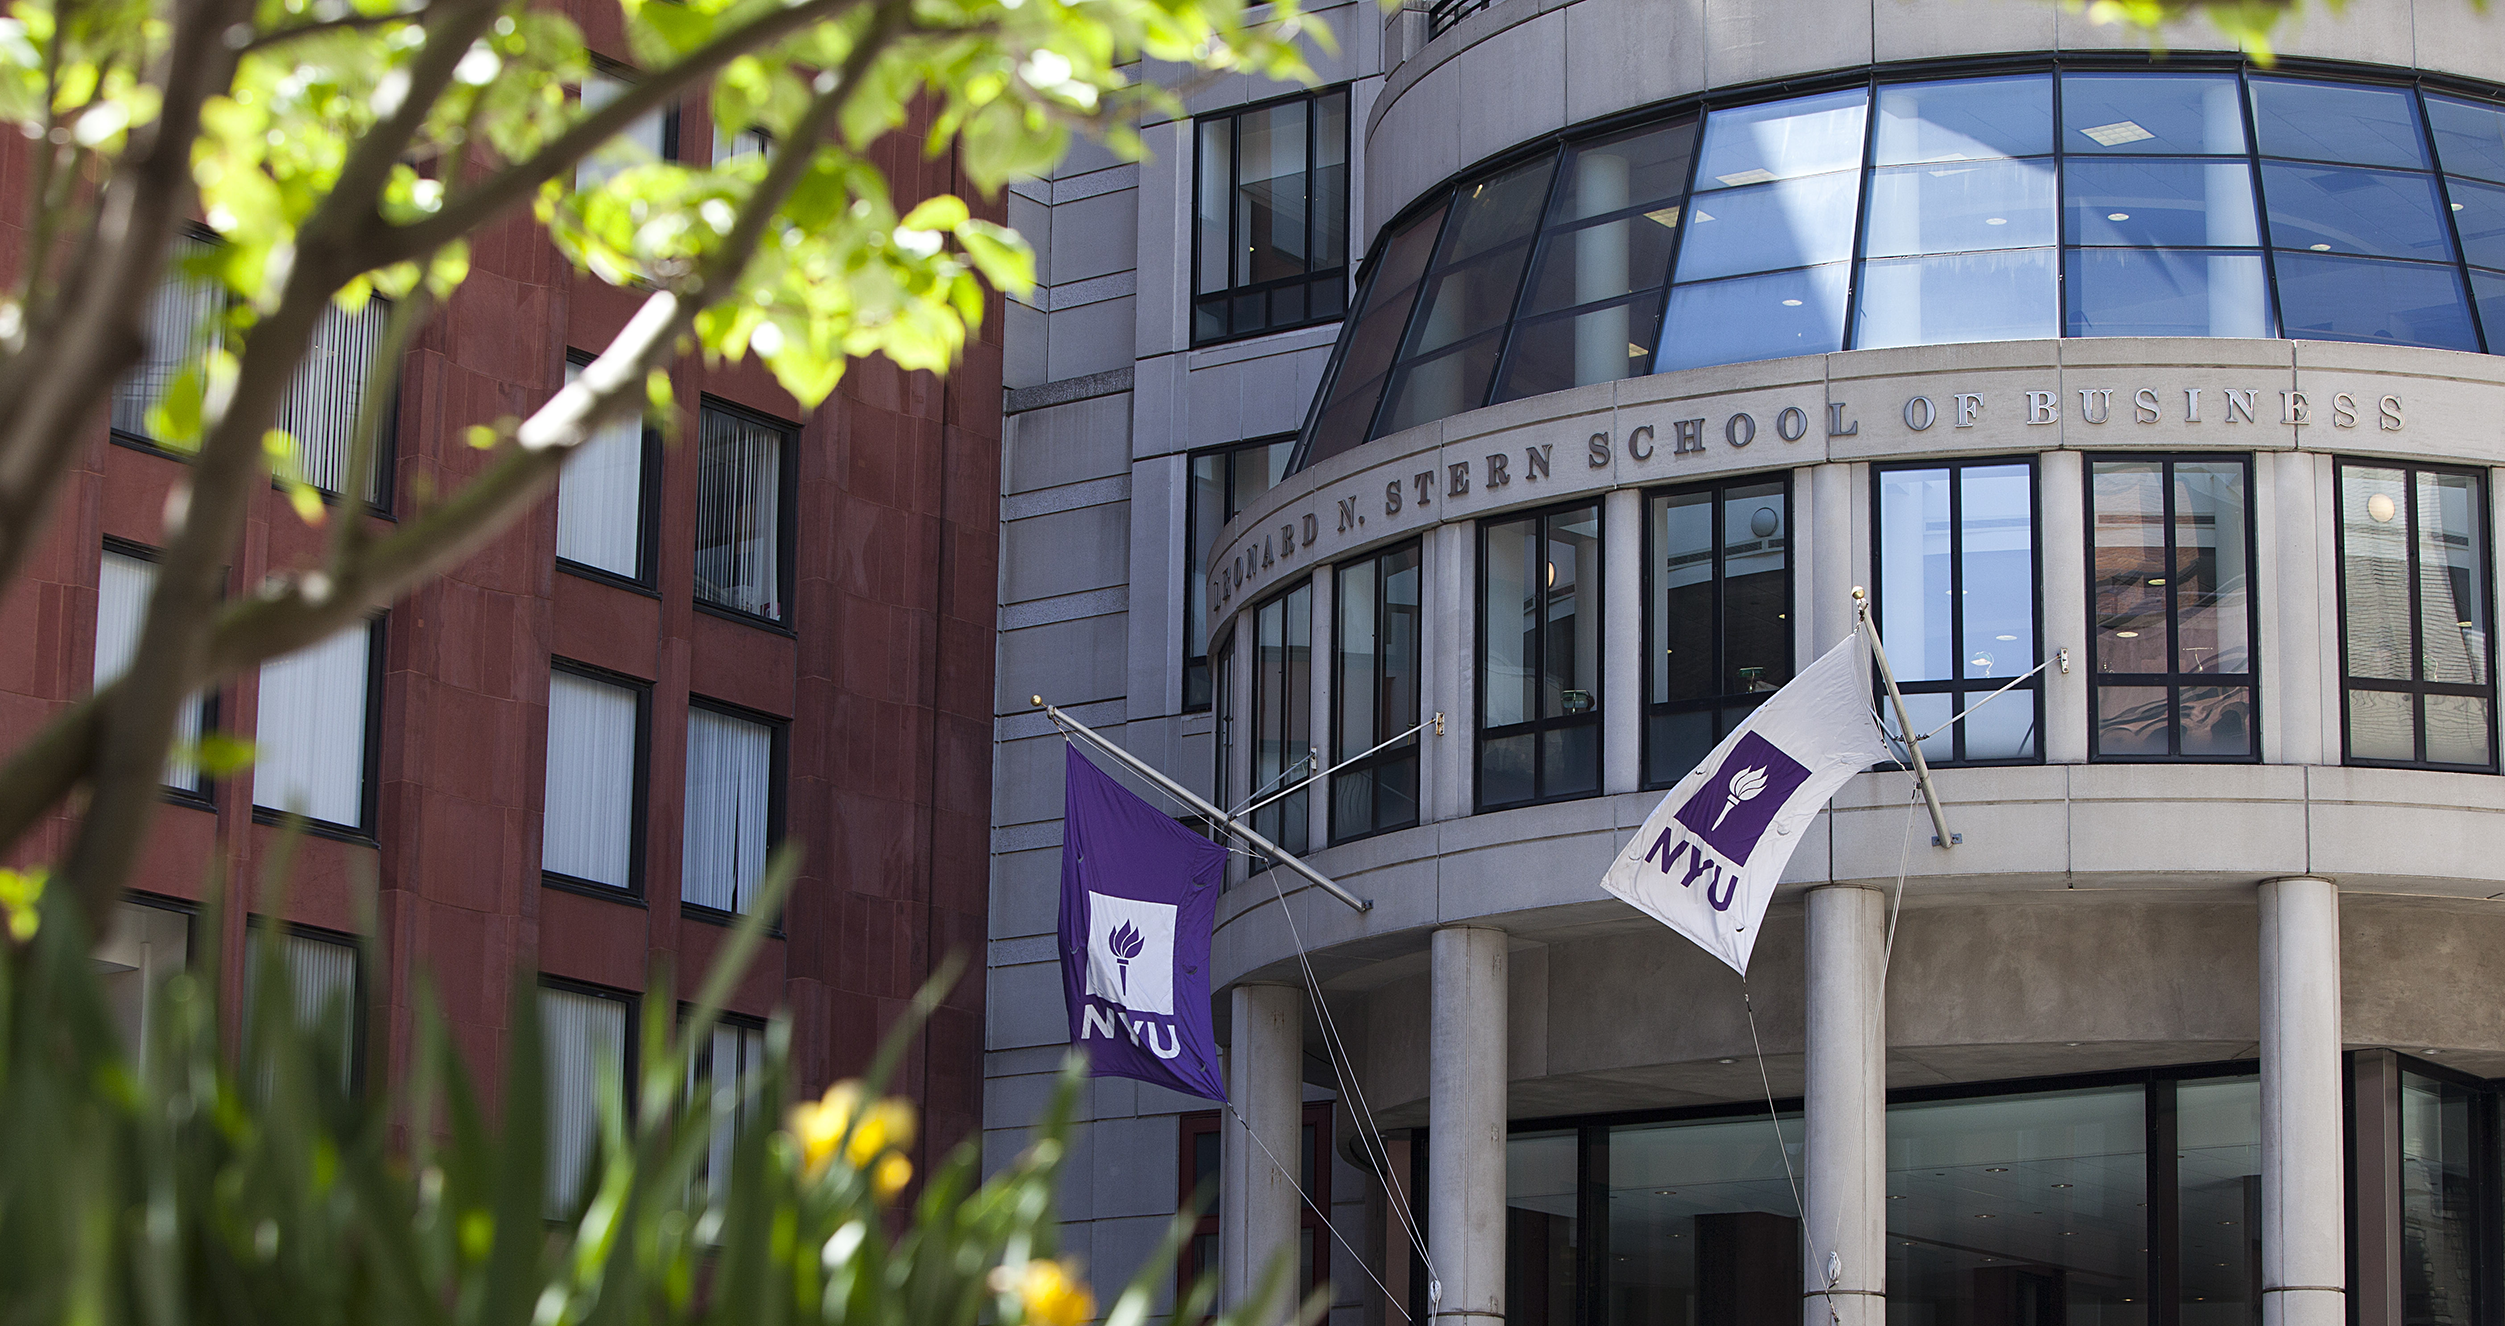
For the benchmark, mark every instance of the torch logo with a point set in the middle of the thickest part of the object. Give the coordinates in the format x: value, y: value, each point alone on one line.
x: 1130, y: 952
x: 1745, y: 785
x: 1125, y: 944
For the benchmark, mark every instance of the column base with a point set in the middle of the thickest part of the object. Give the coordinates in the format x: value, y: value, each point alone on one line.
x: 2304, y: 1305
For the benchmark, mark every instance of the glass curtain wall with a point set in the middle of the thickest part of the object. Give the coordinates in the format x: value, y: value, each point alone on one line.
x: 2171, y: 609
x: 1375, y: 689
x: 2441, y: 1202
x: 1449, y: 358
x: 1717, y: 612
x: 2470, y: 144
x: 2414, y: 617
x: 2157, y: 208
x: 1957, y: 565
x: 1282, y: 715
x: 1223, y: 482
x: 1962, y: 229
x: 1539, y: 656
x: 1592, y: 308
x: 1272, y: 233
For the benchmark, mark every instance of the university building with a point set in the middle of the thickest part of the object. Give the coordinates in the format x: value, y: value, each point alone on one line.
x: 1496, y: 423
x: 567, y: 760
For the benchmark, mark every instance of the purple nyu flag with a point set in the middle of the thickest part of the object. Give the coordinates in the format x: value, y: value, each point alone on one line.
x: 1139, y: 895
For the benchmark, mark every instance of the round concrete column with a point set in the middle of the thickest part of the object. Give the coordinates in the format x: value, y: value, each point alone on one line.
x: 1265, y: 1080
x: 1845, y: 1154
x: 2304, y: 1253
x: 1466, y: 1126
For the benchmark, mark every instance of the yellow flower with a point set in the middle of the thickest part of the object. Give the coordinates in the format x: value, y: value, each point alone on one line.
x: 20, y: 895
x: 818, y: 1125
x: 891, y: 1176
x: 1052, y: 1298
x: 884, y: 1126
x: 887, y: 1125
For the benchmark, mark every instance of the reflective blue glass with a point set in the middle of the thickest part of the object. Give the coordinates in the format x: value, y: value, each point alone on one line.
x: 1754, y: 317
x: 1789, y: 223
x: 2167, y: 292
x: 2340, y: 209
x: 2142, y: 114
x: 1783, y: 139
x: 2151, y: 202
x: 2490, y: 288
x: 2328, y: 298
x: 2005, y: 296
x: 2345, y: 122
x: 1959, y: 207
x: 2479, y: 214
x: 1974, y: 119
x: 2469, y: 137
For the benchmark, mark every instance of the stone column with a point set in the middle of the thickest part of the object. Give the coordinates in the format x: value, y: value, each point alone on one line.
x: 1845, y: 1154
x: 1622, y: 641
x: 2062, y: 498
x: 2304, y: 1252
x: 1466, y: 1126
x: 1452, y: 553
x: 1265, y: 1072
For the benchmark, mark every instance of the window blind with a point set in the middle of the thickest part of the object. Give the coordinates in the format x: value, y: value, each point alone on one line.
x: 311, y: 731
x: 733, y: 1057
x: 320, y: 410
x: 600, y: 498
x: 588, y: 828
x: 122, y: 591
x: 729, y: 792
x: 182, y: 328
x: 321, y: 977
x: 739, y: 478
x: 583, y: 1038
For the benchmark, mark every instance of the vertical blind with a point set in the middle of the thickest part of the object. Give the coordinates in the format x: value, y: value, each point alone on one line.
x: 182, y: 329
x: 730, y: 772
x: 584, y: 1039
x: 321, y: 981
x: 600, y: 498
x: 320, y: 410
x: 588, y: 830
x: 311, y: 731
x: 733, y: 1058
x: 121, y: 607
x: 739, y: 480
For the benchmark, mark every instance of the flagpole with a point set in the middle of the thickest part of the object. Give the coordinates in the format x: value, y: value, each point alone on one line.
x: 1192, y: 799
x: 1904, y: 721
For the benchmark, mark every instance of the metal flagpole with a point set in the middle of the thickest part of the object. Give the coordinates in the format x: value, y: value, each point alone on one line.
x: 1192, y: 799
x: 1904, y: 721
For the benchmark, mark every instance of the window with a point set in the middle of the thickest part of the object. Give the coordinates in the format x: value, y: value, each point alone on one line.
x: 734, y: 807
x: 591, y: 825
x: 603, y: 521
x: 1957, y: 576
x: 2414, y: 617
x: 586, y: 1039
x: 149, y: 942
x: 1199, y: 1165
x: 1539, y: 656
x: 2470, y: 142
x: 2170, y: 609
x: 1272, y: 236
x: 1962, y: 223
x: 1377, y: 642
x: 184, y: 324
x: 743, y: 501
x: 651, y: 136
x: 1222, y: 780
x: 727, y: 1066
x: 2158, y: 209
x: 1717, y: 611
x: 1202, y: 1170
x: 1543, y: 1251
x: 321, y: 980
x: 2442, y: 1245
x: 1447, y: 361
x: 317, y: 716
x: 752, y: 141
x: 1282, y: 715
x: 322, y: 403
x: 127, y: 578
x: 1224, y: 482
x: 1344, y: 410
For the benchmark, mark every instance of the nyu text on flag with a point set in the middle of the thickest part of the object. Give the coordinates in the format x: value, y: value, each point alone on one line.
x: 1706, y: 861
x: 1139, y: 895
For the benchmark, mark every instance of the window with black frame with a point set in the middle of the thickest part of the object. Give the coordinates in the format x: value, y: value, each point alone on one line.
x: 1539, y: 656
x: 1271, y: 238
x: 1224, y: 480
x: 1448, y: 358
x: 1717, y: 612
x: 1282, y: 715
x: 1222, y: 668
x: 1376, y: 643
x: 2171, y: 612
x: 2418, y: 689
x: 1957, y: 566
x: 743, y: 501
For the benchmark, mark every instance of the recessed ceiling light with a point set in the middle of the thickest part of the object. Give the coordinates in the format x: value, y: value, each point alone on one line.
x: 1996, y: 1169
x: 1665, y: 1192
x: 1791, y: 303
x: 1753, y: 175
x: 2457, y: 207
x: 1985, y: 1215
x: 2073, y: 1045
x: 2117, y: 216
x: 2158, y: 580
x: 2117, y: 133
x: 1726, y: 1061
x: 2126, y: 635
x: 1996, y: 220
x: 2061, y: 1185
x: 2322, y: 248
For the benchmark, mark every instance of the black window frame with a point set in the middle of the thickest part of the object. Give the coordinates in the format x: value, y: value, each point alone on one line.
x: 786, y: 517
x: 360, y: 989
x: 647, y: 577
x: 1222, y: 727
x: 2416, y: 688
x: 204, y: 796
x: 1323, y: 278
x: 630, y: 1060
x: 1964, y: 692
x: 1386, y: 727
x: 2175, y: 681
x: 1199, y: 543
x: 1596, y: 718
x: 1271, y: 820
x: 191, y: 232
x: 369, y: 830
x: 1734, y: 706
x: 777, y: 808
x: 639, y: 823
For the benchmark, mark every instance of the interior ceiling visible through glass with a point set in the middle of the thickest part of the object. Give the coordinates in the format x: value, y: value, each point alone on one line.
x: 1898, y: 213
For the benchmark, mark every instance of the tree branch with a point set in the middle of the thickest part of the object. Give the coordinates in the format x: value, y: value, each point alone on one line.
x: 351, y: 23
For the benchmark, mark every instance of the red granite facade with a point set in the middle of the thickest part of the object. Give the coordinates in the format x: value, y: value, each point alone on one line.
x: 883, y: 677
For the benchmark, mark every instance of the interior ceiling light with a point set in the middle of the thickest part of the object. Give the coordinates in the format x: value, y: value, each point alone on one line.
x: 2126, y: 635
x: 1664, y: 216
x: 1791, y: 303
x: 2322, y: 248
x: 1996, y: 1169
x: 2381, y: 508
x: 1996, y: 220
x: 2158, y: 581
x: 2118, y: 133
x: 2004, y: 637
x: 2061, y: 1185
x: 1635, y: 351
x: 2117, y: 216
x: 1753, y: 175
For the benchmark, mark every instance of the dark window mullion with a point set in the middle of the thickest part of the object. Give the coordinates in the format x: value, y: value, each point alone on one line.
x: 2417, y: 627
x: 1956, y: 609
x: 2261, y: 199
x: 1861, y: 217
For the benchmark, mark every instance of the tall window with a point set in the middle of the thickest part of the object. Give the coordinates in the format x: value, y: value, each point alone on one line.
x: 149, y: 943
x: 727, y: 1066
x: 183, y: 327
x: 316, y: 720
x: 322, y: 404
x: 586, y: 1039
x: 651, y: 136
x: 2158, y: 208
x: 602, y: 517
x: 591, y: 827
x: 743, y: 474
x: 1272, y: 238
x: 1282, y: 714
x: 2442, y: 1202
x: 1539, y: 656
x: 1344, y: 410
x: 1198, y: 1167
x: 128, y: 576
x: 2470, y: 139
x: 1375, y: 690
x: 1224, y: 482
x: 1447, y: 361
x: 734, y: 807
x: 319, y: 973
x: 1957, y: 576
x: 2414, y: 617
x: 2171, y: 609
x: 1717, y: 609
x: 1222, y: 779
x: 1961, y: 224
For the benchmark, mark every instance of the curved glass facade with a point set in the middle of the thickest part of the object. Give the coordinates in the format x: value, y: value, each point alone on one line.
x: 2070, y: 202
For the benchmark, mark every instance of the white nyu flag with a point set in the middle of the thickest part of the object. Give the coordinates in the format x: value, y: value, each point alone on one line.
x: 1706, y: 861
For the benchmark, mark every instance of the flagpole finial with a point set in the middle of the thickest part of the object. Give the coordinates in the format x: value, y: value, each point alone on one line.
x: 1039, y: 701
x: 1858, y: 595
